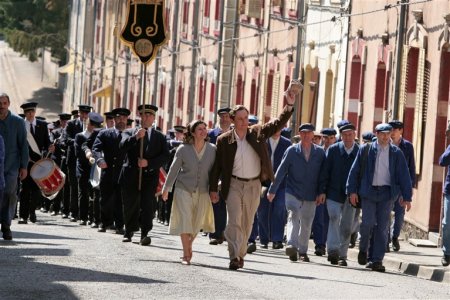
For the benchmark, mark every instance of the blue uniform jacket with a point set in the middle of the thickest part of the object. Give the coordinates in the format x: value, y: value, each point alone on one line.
x: 337, y: 166
x: 444, y: 161
x: 14, y: 135
x: 213, y: 134
x: 408, y: 151
x: 399, y: 173
x: 283, y: 145
x: 2, y: 164
x: 305, y: 179
x: 106, y: 149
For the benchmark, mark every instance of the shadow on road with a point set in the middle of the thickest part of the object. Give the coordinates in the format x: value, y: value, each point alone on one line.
x: 50, y: 101
x: 19, y: 271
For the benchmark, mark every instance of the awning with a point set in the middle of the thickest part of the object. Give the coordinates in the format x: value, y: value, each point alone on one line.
x: 67, y: 69
x: 105, y: 91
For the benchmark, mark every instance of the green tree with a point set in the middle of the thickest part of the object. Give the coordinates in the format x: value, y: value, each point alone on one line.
x: 30, y: 25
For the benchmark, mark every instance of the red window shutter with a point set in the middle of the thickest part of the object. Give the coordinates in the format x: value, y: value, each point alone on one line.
x: 217, y: 11
x: 253, y: 97
x: 207, y: 8
x: 212, y: 96
x: 239, y: 84
x: 287, y: 81
x: 180, y: 96
x: 269, y: 88
x: 186, y: 12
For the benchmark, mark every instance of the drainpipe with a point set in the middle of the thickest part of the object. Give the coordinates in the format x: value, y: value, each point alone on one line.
x: 298, y: 59
x: 117, y: 9
x: 75, y: 53
x: 173, y: 71
x: 219, y: 63
x: 91, y: 67
x: 102, y: 49
x: 398, y: 58
x: 191, y: 97
x: 83, y: 57
x: 127, y: 54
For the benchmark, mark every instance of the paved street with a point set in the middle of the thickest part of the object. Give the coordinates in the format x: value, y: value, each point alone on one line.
x: 21, y: 80
x: 56, y: 259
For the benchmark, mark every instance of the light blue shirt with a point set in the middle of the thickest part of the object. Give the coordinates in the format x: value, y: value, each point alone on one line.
x: 381, y: 175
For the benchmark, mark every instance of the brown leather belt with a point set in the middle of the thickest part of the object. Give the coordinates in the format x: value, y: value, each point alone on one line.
x: 244, y: 179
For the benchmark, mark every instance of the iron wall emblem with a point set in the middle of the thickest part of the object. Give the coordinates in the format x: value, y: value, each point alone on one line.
x: 145, y: 29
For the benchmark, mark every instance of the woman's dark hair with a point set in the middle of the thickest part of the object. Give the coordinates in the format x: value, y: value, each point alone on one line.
x: 190, y: 128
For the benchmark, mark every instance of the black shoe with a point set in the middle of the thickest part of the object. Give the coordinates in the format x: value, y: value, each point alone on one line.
x: 33, y: 218
x: 216, y: 241
x: 362, y: 258
x: 304, y: 257
x: 264, y: 246
x: 127, y: 237
x: 445, y: 260
x: 94, y: 225
x: 101, y: 229
x: 166, y: 223
x: 73, y: 219
x: 22, y: 221
x: 376, y: 266
x: 145, y: 241
x: 7, y: 235
x: 251, y: 247
x: 277, y: 245
x: 120, y: 231
x: 342, y: 262
x: 353, y: 238
x: 292, y: 253
x: 44, y: 210
x: 54, y: 213
x: 333, y: 258
x: 82, y: 223
x: 395, y: 244
x: 90, y: 222
x: 234, y: 264
x: 64, y: 216
x: 320, y: 251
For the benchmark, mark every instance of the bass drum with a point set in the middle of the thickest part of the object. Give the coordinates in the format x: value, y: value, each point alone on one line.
x: 48, y: 176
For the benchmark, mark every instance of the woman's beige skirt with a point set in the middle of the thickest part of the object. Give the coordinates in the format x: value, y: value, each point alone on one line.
x: 191, y: 213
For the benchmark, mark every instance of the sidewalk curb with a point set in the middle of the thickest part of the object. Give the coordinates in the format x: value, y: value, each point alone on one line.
x: 438, y: 274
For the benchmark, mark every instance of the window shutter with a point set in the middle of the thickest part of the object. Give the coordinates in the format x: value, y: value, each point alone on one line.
x: 418, y: 118
x: 404, y: 81
x: 253, y: 8
x: 275, y: 94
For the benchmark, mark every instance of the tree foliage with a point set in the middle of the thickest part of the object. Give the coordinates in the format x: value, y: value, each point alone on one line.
x: 30, y: 25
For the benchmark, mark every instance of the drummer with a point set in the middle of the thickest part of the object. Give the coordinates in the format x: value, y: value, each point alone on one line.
x: 59, y: 156
x: 39, y: 144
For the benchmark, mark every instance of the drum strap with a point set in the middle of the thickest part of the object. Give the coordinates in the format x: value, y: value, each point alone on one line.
x: 32, y: 142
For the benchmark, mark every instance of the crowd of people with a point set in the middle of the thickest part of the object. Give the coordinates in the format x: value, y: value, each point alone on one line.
x: 242, y: 182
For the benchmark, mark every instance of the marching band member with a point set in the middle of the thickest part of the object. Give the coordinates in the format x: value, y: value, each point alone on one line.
x: 59, y: 157
x: 38, y: 141
x: 73, y: 127
x: 139, y: 205
x: 83, y: 165
x: 110, y: 159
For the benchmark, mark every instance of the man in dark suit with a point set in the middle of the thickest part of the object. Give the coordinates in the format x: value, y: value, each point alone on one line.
x: 140, y: 173
x: 272, y: 215
x: 73, y: 127
x: 220, y: 208
x: 84, y: 166
x: 110, y: 159
x: 59, y: 156
x: 39, y: 143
